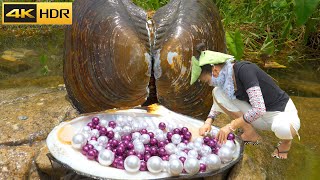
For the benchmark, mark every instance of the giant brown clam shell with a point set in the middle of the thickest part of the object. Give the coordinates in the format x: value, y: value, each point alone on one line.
x: 116, y: 57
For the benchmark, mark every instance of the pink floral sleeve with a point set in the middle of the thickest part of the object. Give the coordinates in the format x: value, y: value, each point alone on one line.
x: 213, y: 114
x: 257, y: 103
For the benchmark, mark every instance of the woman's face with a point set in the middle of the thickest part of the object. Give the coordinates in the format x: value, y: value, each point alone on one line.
x: 216, y: 70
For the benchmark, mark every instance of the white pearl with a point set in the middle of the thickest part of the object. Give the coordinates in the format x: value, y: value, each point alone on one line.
x: 197, y: 146
x: 214, y: 132
x: 104, y: 123
x: 103, y: 140
x: 181, y: 146
x: 170, y: 127
x: 190, y: 145
x: 132, y: 164
x: 165, y: 166
x: 135, y: 126
x: 86, y: 129
x: 106, y: 157
x: 109, y: 129
x: 180, y: 126
x: 99, y: 148
x: 205, y: 150
x: 199, y: 140
x: 161, y: 137
x: 145, y: 138
x: 78, y: 141
x: 87, y: 135
x: 173, y: 156
x: 93, y: 142
x: 117, y: 129
x: 225, y: 154
x: 170, y: 148
x: 230, y: 145
x: 158, y: 131
x: 181, y: 154
x: 117, y: 136
x: 192, y: 154
x: 213, y: 162
x: 136, y: 135
x: 154, y: 164
x: 175, y: 167
x: 192, y: 165
x: 137, y: 142
x: 139, y: 148
x: 176, y: 139
x: 95, y: 133
x: 126, y: 130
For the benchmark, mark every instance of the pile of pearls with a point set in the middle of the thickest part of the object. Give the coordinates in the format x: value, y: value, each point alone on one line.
x: 134, y: 146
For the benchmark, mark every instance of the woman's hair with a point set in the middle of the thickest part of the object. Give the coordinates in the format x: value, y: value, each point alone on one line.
x: 206, y: 69
x: 200, y: 47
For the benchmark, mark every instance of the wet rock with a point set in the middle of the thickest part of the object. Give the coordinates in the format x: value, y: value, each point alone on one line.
x: 13, y: 67
x: 41, y: 119
x: 44, y: 165
x: 15, y: 162
x: 246, y: 169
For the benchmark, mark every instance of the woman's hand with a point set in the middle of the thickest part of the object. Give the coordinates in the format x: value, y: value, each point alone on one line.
x: 223, y: 134
x: 206, y: 127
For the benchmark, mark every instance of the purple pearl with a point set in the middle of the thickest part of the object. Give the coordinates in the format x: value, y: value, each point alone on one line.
x: 147, y: 156
x: 216, y: 150
x: 184, y: 130
x: 182, y: 136
x: 131, y: 152
x: 182, y: 159
x: 166, y: 141
x: 109, y: 148
x: 186, y: 151
x: 122, y: 145
x: 203, y: 167
x: 211, y: 143
x: 162, y: 126
x: 94, y: 138
x: 206, y: 139
x: 151, y: 134
x: 114, y: 150
x: 162, y: 151
x: 96, y: 152
x: 120, y: 150
x: 91, y: 125
x: 169, y: 135
x: 120, y: 165
x: 112, y: 124
x: 90, y: 146
x: 143, y: 166
x: 176, y: 131
x: 130, y: 146
x: 97, y: 127
x: 165, y: 158
x: 161, y: 144
x: 147, y: 148
x: 153, y: 141
x: 114, y: 143
x: 143, y: 131
x: 114, y: 163
x: 153, y: 151
x: 140, y: 156
x: 95, y: 120
x: 128, y: 137
x: 103, y: 131
x: 91, y: 154
x: 110, y: 134
x: 231, y: 136
x: 187, y: 136
x: 85, y: 149
x: 119, y: 158
x: 185, y: 141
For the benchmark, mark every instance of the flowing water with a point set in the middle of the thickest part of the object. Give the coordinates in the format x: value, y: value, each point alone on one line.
x: 37, y: 60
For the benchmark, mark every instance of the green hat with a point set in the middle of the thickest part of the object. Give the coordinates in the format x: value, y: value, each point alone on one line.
x: 206, y: 57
